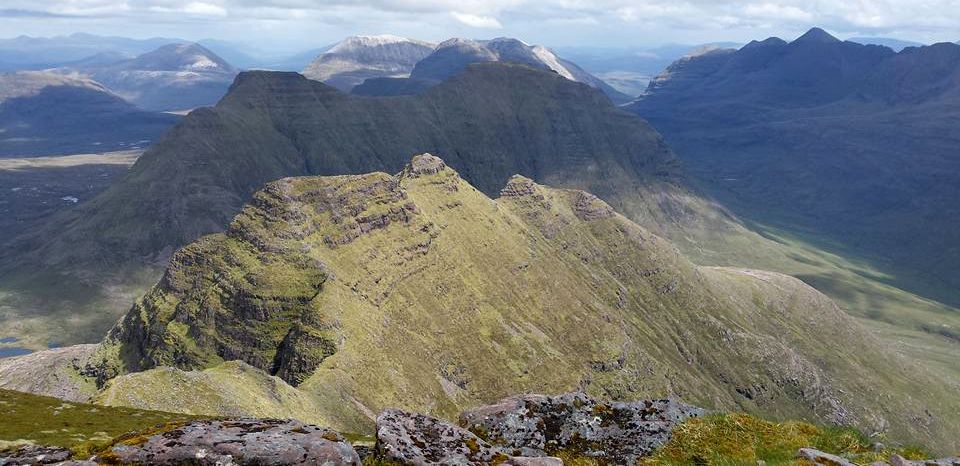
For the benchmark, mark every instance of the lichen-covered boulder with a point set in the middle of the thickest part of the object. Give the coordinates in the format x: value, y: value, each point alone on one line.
x: 416, y: 439
x: 615, y: 432
x: 34, y: 455
x: 239, y: 442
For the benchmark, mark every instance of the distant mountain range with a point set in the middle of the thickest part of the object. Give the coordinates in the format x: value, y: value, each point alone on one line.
x: 47, y: 113
x: 173, y: 77
x: 388, y: 65
x: 895, y: 44
x: 38, y: 53
x: 854, y: 142
x: 353, y: 60
x: 630, y: 69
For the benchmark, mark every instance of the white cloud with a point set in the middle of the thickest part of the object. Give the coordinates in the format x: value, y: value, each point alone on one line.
x: 777, y: 11
x: 476, y: 21
x: 200, y: 8
x: 563, y: 21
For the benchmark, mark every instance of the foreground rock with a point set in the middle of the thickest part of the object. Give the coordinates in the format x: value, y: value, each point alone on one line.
x: 411, y: 438
x: 240, y: 442
x: 819, y: 457
x: 618, y: 432
x: 33, y: 454
x: 416, y: 439
x: 898, y: 460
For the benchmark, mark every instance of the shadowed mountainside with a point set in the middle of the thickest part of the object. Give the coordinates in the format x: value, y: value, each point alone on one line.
x: 45, y: 114
x: 851, y: 144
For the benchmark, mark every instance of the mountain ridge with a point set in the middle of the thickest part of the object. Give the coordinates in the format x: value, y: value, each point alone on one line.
x: 858, y: 138
x: 273, y: 125
x: 563, y: 292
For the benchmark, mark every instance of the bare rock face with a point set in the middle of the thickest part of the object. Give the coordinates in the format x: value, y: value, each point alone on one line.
x: 240, y: 442
x: 538, y: 425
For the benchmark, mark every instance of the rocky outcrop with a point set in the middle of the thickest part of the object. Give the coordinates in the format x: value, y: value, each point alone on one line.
x: 239, y: 442
x: 416, y: 439
x: 34, y: 455
x: 538, y: 425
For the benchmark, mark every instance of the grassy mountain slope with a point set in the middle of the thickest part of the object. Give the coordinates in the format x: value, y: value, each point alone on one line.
x: 82, y: 427
x: 419, y: 291
x: 493, y: 120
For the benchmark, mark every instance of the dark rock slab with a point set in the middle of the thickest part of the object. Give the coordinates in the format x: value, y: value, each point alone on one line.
x: 538, y: 425
x: 822, y: 458
x: 241, y: 442
x: 33, y: 455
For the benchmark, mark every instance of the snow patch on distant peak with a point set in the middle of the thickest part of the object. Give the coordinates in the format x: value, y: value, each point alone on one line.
x: 371, y: 41
x: 550, y: 59
x: 202, y: 62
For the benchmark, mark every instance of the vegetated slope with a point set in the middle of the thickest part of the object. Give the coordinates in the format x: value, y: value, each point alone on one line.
x: 49, y: 421
x: 177, y: 76
x: 45, y: 113
x: 849, y: 142
x: 357, y: 58
x: 419, y: 291
x: 453, y: 56
x: 494, y: 120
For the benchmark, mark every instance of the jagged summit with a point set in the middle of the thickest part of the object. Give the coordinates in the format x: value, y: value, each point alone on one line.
x: 816, y: 35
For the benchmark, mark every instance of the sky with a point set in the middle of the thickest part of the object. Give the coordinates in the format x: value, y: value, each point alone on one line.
x: 293, y: 25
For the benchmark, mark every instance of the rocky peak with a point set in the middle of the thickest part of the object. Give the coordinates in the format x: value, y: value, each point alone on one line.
x: 816, y: 35
x: 519, y: 186
x: 425, y: 164
x: 589, y: 207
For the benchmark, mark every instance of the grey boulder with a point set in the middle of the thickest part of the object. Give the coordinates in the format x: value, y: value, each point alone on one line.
x: 539, y: 425
x: 241, y: 442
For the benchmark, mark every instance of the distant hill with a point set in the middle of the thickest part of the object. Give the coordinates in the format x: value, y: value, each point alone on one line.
x: 854, y: 143
x: 895, y: 44
x: 38, y: 53
x: 355, y: 59
x: 173, y: 77
x: 47, y: 113
x: 629, y: 69
x: 453, y: 56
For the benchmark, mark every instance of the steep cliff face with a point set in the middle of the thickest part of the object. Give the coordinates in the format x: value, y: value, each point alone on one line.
x: 419, y: 291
